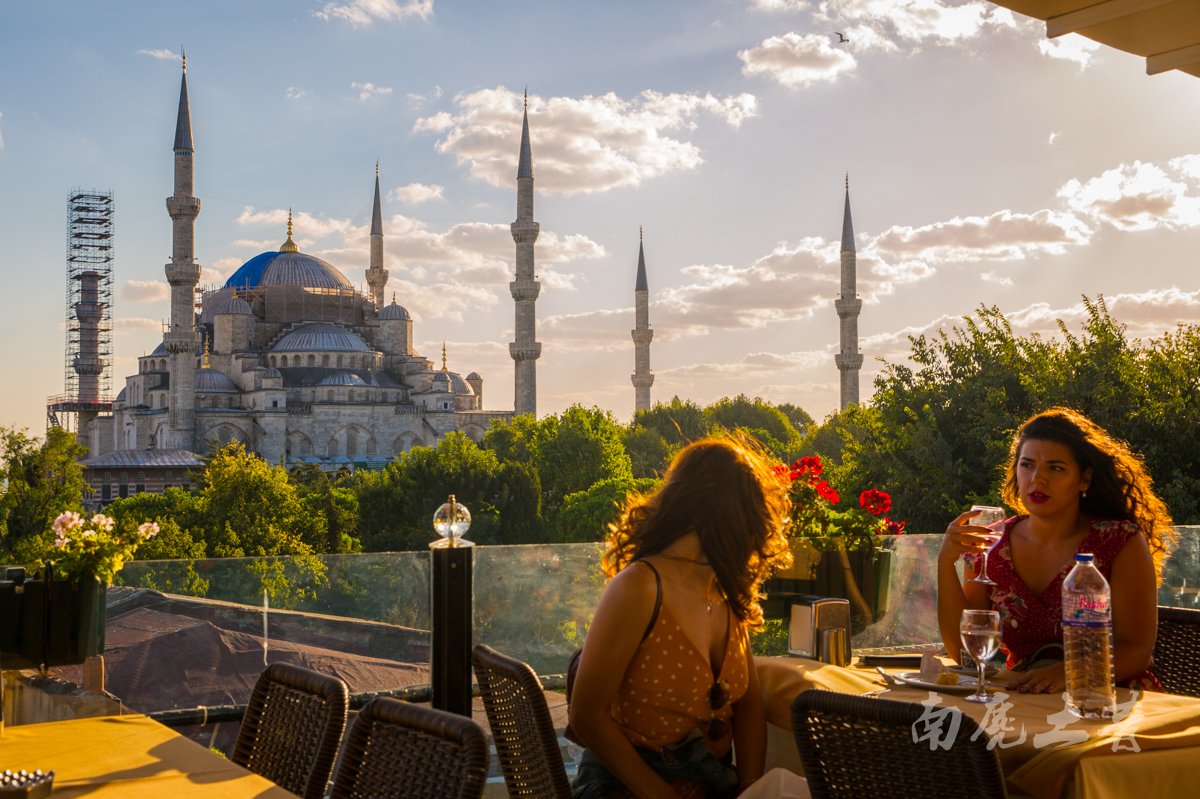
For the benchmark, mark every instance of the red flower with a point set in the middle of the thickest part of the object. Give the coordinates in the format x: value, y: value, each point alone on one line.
x: 810, y: 465
x: 893, y: 528
x: 875, y: 501
x: 827, y: 492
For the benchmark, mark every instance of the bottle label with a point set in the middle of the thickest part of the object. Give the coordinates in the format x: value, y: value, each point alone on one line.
x: 1086, y: 613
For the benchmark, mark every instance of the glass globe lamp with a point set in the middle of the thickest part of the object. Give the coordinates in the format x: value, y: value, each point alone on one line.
x: 451, y: 521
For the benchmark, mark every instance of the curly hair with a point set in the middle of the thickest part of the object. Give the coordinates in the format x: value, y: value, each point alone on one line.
x: 1121, y: 488
x: 722, y: 489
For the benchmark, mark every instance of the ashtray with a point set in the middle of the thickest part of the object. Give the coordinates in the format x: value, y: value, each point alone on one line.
x: 24, y: 785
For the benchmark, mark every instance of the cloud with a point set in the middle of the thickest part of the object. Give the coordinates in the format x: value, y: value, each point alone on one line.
x: 416, y: 193
x: 992, y: 277
x: 1138, y: 197
x: 144, y: 291
x: 778, y: 5
x: 365, y: 12
x: 162, y: 55
x: 918, y: 20
x: 1054, y: 134
x: 1002, y: 236
x: 258, y: 245
x: 796, y: 60
x: 295, y: 94
x: 369, y: 90
x: 589, y: 144
x: 1071, y: 47
x: 132, y: 323
x: 221, y: 270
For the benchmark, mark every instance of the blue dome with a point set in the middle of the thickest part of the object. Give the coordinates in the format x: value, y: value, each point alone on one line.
x: 235, y: 305
x: 343, y: 379
x: 287, y: 269
x: 394, y: 311
x: 211, y: 380
x: 320, y: 338
x: 161, y: 349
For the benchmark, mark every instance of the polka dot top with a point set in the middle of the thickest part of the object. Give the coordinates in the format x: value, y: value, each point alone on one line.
x: 665, y: 693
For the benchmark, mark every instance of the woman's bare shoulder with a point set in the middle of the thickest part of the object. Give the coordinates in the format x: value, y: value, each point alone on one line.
x: 634, y: 583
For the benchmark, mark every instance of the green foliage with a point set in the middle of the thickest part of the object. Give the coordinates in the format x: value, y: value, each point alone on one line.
x: 937, y: 434
x: 755, y: 417
x: 649, y: 453
x: 829, y: 439
x: 586, y: 515
x: 679, y: 422
x: 797, y: 416
x: 42, y: 479
x: 336, y: 504
x: 181, y: 517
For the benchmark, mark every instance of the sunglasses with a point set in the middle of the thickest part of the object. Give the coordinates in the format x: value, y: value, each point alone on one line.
x: 719, y: 695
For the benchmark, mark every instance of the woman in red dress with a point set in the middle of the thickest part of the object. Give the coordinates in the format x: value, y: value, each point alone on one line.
x: 1077, y: 490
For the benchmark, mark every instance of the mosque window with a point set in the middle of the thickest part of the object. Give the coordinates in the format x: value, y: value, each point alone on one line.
x: 105, y: 486
x: 273, y: 364
x: 351, y: 361
x: 274, y: 403
x: 350, y: 395
x: 333, y: 446
x: 162, y: 365
x: 325, y: 360
x: 123, y: 484
x: 312, y: 360
x: 351, y: 443
x: 372, y: 448
x: 339, y: 361
x: 141, y: 483
x: 168, y: 480
x: 331, y: 395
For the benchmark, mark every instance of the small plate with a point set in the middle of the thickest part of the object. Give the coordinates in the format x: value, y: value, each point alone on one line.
x: 971, y: 671
x: 928, y: 680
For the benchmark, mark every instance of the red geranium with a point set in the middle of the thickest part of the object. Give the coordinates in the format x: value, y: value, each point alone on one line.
x: 827, y: 492
x: 893, y: 528
x: 810, y: 465
x: 875, y: 501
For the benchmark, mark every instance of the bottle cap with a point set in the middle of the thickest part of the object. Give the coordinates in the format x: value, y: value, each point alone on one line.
x: 1084, y: 558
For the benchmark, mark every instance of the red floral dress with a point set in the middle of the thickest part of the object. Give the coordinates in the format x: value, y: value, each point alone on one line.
x: 1029, y: 622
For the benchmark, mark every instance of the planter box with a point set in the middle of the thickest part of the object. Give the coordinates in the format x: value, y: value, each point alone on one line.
x: 63, y: 626
x: 818, y: 569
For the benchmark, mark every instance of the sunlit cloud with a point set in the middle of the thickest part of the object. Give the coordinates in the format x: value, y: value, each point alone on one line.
x: 162, y: 55
x: 365, y: 12
x: 415, y: 193
x: 795, y: 60
x: 369, y: 90
x: 1071, y: 47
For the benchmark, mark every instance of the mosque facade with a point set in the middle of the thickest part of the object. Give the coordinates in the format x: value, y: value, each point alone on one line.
x: 287, y: 357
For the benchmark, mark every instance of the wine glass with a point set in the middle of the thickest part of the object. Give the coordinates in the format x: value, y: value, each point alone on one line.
x: 987, y: 516
x: 980, y: 633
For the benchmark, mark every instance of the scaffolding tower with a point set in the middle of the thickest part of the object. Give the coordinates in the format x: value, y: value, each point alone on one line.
x: 87, y: 378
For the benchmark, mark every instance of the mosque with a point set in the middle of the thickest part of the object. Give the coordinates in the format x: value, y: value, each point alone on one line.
x: 290, y: 359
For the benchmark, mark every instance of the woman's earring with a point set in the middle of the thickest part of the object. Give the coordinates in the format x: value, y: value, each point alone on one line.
x: 1083, y: 493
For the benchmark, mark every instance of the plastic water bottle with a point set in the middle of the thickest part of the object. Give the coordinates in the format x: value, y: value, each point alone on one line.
x: 1087, y: 639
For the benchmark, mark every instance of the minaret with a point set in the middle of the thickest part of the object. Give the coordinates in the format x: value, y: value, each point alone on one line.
x: 377, y: 276
x: 642, y: 334
x: 525, y: 350
x: 849, y: 360
x: 183, y: 273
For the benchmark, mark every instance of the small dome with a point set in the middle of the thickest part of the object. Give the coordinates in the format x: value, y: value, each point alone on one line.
x: 272, y: 373
x: 474, y: 376
x: 235, y: 305
x: 161, y: 349
x: 394, y: 312
x: 343, y: 379
x: 120, y: 397
x: 321, y: 338
x: 458, y: 385
x: 211, y: 380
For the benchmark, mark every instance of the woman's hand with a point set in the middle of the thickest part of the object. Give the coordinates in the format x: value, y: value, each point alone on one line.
x: 963, y: 538
x: 1049, y: 680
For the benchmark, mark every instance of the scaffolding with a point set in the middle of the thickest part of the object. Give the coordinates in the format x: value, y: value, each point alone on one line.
x: 87, y: 375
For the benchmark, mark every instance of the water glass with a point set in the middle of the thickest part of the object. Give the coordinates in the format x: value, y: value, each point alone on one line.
x: 980, y: 632
x: 988, y: 517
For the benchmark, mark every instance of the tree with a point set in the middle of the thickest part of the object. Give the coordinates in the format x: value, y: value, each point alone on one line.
x: 679, y: 422
x: 798, y: 417
x: 42, y: 479
x: 649, y: 453
x: 757, y: 418
x: 586, y: 515
x: 182, y: 519
x: 577, y: 451
x: 337, y: 504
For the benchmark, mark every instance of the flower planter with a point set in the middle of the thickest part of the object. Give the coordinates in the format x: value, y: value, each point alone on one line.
x: 63, y: 626
x: 824, y: 567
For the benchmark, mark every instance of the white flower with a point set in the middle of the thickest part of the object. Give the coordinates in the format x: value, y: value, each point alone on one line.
x: 59, y: 543
x: 148, y: 530
x: 100, y: 520
x: 89, y: 533
x: 68, y: 520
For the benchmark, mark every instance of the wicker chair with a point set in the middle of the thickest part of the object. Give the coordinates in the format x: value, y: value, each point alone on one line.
x: 397, y: 749
x: 292, y: 728
x: 1177, y: 651
x: 855, y: 746
x: 526, y: 743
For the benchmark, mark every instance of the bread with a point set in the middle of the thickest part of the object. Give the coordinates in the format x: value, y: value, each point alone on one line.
x: 948, y: 678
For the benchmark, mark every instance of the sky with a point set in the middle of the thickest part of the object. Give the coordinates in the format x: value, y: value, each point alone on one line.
x: 987, y: 164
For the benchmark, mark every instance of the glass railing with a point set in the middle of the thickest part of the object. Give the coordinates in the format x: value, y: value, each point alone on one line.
x: 193, y: 633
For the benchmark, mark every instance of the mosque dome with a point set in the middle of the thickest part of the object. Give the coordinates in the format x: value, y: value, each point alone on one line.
x: 458, y: 385
x: 321, y: 338
x: 120, y: 396
x: 272, y: 373
x: 235, y: 305
x: 474, y: 376
x: 211, y: 380
x: 287, y: 269
x: 394, y: 311
x: 343, y: 379
x: 161, y: 349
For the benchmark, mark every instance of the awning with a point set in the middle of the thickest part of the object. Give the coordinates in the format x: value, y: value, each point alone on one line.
x: 1165, y: 32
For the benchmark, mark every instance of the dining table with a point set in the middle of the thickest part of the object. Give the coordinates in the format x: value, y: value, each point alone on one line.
x: 128, y: 756
x: 1152, y: 747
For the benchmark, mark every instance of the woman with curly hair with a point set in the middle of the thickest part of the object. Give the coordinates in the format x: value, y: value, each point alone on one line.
x: 1078, y: 490
x: 666, y: 684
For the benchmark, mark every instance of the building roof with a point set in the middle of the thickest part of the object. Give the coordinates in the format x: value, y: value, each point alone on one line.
x: 474, y: 376
x: 525, y: 168
x: 343, y: 379
x: 148, y: 458
x: 183, y: 123
x: 377, y: 212
x: 120, y: 396
x: 1166, y: 33
x: 321, y: 338
x: 161, y: 349
x: 235, y: 305
x: 394, y: 312
x: 287, y: 269
x: 272, y: 372
x: 847, y: 225
x: 309, y: 376
x: 213, y: 380
x: 641, y: 284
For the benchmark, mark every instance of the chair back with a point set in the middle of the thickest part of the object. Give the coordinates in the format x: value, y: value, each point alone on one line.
x: 526, y: 743
x: 398, y: 749
x: 1177, y: 651
x: 856, y: 746
x: 292, y: 728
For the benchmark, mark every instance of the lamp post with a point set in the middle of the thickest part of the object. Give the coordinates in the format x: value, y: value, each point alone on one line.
x: 453, y: 609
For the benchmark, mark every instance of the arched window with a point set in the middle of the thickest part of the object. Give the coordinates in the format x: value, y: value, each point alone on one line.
x: 123, y: 484
x: 339, y: 362
x: 372, y: 448
x: 331, y: 395
x: 105, y: 486
x: 312, y: 360
x: 325, y: 360
x: 273, y: 364
x: 141, y: 483
x: 351, y: 361
x: 350, y: 395
x: 333, y: 447
x: 162, y: 365
x: 351, y: 443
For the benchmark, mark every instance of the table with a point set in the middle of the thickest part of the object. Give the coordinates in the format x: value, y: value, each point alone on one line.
x: 128, y: 756
x: 1167, y: 732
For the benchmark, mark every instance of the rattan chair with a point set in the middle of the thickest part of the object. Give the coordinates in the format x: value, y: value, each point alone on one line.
x: 855, y: 746
x: 1177, y: 651
x: 292, y: 728
x: 526, y: 743
x: 397, y: 749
